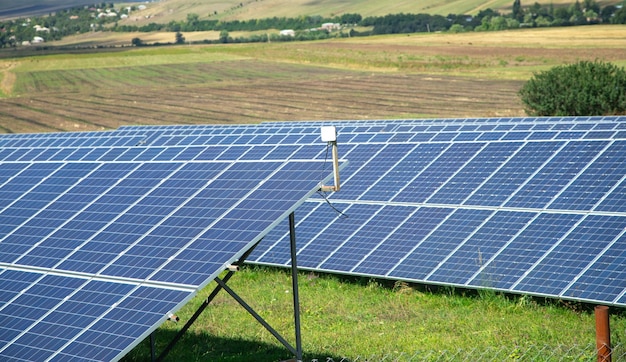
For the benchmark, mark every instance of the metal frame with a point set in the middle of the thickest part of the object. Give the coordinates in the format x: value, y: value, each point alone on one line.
x: 222, y: 284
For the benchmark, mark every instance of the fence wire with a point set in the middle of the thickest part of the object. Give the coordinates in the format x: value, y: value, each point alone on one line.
x: 526, y: 353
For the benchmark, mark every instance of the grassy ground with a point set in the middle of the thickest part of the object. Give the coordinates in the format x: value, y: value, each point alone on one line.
x: 360, y: 318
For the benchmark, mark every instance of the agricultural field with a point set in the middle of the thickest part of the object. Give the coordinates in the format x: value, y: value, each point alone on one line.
x: 416, y: 76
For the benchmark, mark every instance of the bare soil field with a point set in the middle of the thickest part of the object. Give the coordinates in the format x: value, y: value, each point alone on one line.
x: 436, y: 76
x: 301, y: 93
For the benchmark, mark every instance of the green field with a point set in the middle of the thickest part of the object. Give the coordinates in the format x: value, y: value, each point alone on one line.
x: 362, y: 319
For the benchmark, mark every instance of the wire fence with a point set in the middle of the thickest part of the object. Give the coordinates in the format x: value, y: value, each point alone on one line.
x: 529, y: 353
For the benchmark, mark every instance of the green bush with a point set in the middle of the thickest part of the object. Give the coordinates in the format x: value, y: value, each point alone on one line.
x: 581, y: 89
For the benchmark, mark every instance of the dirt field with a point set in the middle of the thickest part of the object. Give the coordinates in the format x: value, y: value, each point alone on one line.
x: 306, y: 94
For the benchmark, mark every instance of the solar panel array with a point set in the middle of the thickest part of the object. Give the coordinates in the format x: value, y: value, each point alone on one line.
x: 522, y: 205
x: 102, y: 236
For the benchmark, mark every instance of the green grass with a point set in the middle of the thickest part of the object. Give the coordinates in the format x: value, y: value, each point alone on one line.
x: 357, y: 317
x: 74, y: 78
x: 126, y: 58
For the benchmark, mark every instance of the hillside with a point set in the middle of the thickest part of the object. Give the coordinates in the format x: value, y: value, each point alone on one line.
x: 164, y: 11
x: 21, y: 8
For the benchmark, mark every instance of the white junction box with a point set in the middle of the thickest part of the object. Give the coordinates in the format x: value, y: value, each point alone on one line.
x: 329, y: 134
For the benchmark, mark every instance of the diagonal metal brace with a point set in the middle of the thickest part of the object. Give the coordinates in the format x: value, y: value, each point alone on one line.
x: 256, y: 315
x: 221, y: 284
x: 201, y: 309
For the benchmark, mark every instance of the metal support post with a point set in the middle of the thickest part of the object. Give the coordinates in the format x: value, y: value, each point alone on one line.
x: 294, y: 282
x: 221, y: 284
x: 152, y: 350
x: 603, y: 333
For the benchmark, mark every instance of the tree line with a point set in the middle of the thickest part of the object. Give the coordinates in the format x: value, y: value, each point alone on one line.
x: 85, y: 19
x: 57, y: 25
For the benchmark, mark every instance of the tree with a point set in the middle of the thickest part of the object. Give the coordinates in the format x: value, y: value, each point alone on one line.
x: 607, y: 13
x: 562, y: 15
x: 591, y: 5
x: 497, y: 23
x: 620, y: 16
x: 180, y: 39
x: 577, y: 18
x: 350, y: 18
x: 136, y: 42
x: 456, y: 28
x: 224, y: 37
x: 192, y: 22
x: 581, y: 89
x: 517, y: 13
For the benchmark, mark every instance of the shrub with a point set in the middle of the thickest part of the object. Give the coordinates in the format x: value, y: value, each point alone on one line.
x: 581, y: 89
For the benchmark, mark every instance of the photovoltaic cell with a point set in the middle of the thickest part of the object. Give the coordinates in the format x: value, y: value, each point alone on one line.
x: 366, y: 238
x: 473, y: 252
x: 567, y: 258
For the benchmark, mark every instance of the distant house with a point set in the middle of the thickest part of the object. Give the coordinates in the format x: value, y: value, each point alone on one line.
x: 41, y: 28
x: 330, y: 26
x: 287, y: 32
x: 108, y: 14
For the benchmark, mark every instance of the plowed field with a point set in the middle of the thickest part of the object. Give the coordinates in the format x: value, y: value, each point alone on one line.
x: 246, y: 91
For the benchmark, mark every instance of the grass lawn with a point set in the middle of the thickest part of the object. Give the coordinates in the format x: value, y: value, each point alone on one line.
x: 357, y: 318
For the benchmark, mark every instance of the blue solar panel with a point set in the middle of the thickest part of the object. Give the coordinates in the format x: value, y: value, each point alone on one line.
x: 482, y: 244
x: 365, y: 237
x: 522, y: 165
x: 595, y: 181
x: 95, y: 254
x: 547, y: 182
x: 604, y: 278
x: 552, y: 273
x: 430, y: 252
x: 494, y: 182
